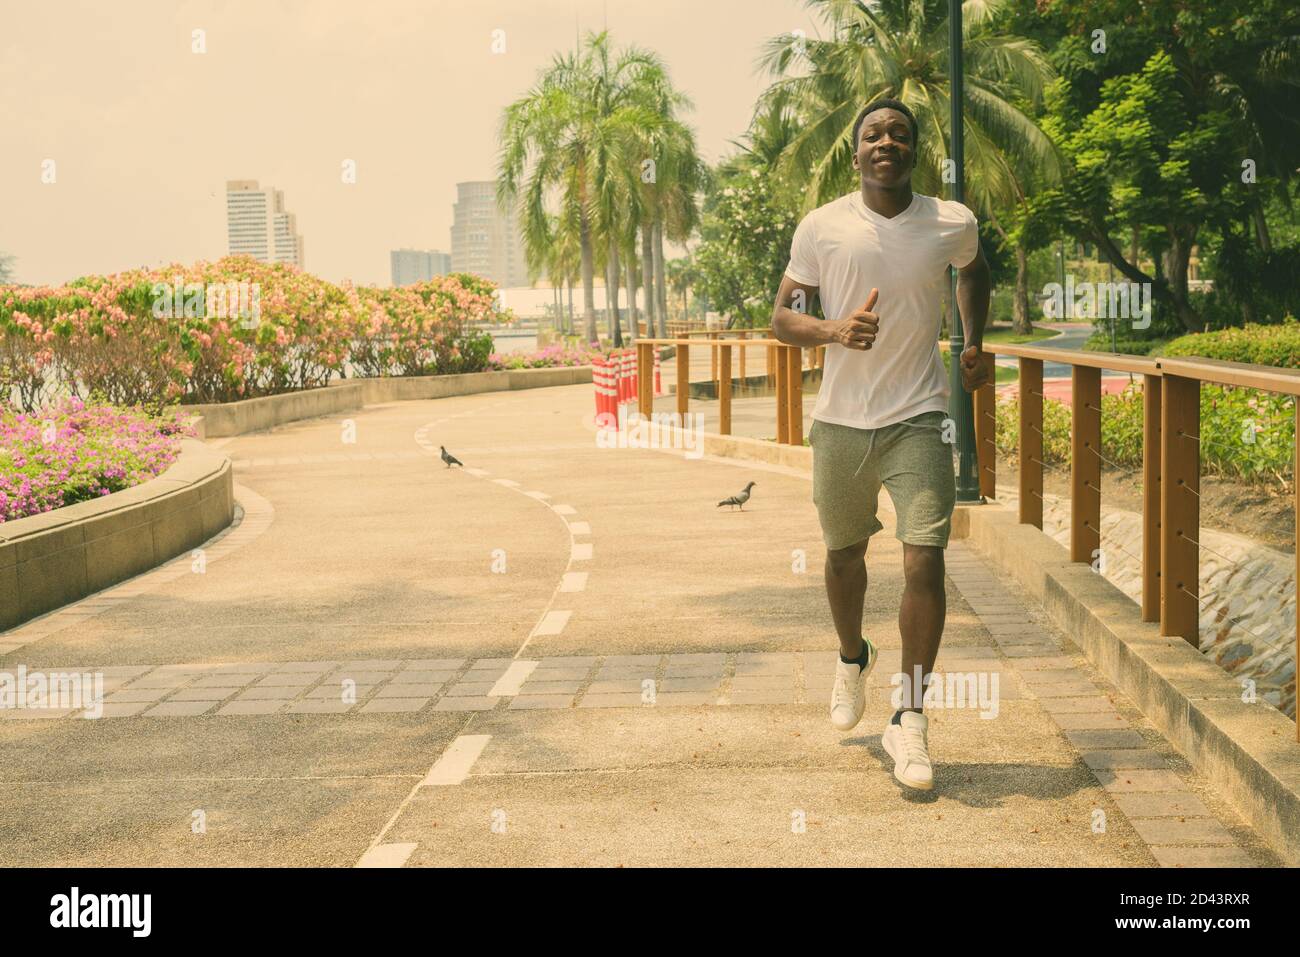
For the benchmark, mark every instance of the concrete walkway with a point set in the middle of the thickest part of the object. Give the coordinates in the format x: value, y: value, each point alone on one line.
x: 560, y: 655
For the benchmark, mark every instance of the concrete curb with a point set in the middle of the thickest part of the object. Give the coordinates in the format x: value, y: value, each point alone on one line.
x: 224, y: 419
x: 49, y: 560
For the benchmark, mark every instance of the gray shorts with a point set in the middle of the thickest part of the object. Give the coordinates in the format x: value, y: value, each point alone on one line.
x: 910, y: 458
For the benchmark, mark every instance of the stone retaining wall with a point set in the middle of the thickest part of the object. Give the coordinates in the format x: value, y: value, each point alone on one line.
x: 61, y: 556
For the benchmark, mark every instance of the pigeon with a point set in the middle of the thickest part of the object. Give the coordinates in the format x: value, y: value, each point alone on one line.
x: 452, y: 460
x: 740, y: 498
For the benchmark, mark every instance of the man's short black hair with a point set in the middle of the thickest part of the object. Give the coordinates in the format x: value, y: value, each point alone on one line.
x: 884, y: 103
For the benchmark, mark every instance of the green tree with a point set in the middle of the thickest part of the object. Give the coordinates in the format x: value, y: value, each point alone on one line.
x: 746, y: 230
x: 1206, y: 89
x: 899, y: 48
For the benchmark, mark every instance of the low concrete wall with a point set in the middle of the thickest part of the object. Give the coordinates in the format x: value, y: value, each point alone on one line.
x: 1248, y: 751
x: 222, y: 419
x: 405, y: 388
x: 49, y: 560
x: 759, y: 450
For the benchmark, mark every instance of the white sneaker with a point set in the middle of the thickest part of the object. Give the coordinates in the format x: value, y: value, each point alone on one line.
x: 849, y: 695
x: 907, y: 745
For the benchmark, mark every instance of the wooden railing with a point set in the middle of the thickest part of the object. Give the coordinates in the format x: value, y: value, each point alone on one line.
x: 785, y: 366
x: 1171, y: 471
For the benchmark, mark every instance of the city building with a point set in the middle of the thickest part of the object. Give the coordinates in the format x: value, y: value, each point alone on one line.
x: 484, y: 240
x: 418, y: 265
x: 258, y: 225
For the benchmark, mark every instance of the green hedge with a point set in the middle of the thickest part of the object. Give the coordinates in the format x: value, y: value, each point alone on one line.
x: 1263, y: 345
x: 1100, y: 342
x: 1245, y: 433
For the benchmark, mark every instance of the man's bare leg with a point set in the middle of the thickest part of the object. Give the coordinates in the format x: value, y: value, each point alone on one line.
x: 922, y: 612
x: 846, y: 587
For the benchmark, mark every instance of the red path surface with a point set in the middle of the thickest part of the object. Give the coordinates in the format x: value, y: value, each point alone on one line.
x: 1060, y: 388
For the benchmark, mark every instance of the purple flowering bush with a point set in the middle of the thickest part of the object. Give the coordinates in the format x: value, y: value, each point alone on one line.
x: 70, y: 452
x: 550, y: 357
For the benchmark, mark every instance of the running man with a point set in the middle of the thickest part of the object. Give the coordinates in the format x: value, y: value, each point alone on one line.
x: 878, y: 258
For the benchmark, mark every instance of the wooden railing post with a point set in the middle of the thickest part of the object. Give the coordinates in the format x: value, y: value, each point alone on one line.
x: 986, y: 429
x: 645, y: 374
x: 724, y: 391
x: 1180, y: 508
x: 794, y: 395
x: 1085, y: 463
x: 1031, y: 441
x: 782, y: 399
x: 713, y: 360
x: 742, y: 334
x: 1151, y: 497
x: 683, y: 381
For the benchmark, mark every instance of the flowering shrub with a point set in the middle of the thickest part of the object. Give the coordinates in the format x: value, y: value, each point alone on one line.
x: 551, y: 356
x: 71, y: 452
x: 160, y: 335
x: 424, y: 328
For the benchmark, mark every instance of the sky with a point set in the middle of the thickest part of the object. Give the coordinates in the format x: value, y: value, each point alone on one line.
x: 144, y: 133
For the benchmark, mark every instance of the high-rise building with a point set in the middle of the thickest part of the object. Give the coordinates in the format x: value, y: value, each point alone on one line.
x: 484, y: 240
x: 258, y: 225
x: 418, y: 265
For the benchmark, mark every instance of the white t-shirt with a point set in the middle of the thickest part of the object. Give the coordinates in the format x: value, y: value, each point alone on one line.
x: 845, y: 249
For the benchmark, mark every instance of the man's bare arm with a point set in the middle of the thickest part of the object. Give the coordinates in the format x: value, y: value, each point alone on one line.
x: 973, y: 286
x: 792, y: 325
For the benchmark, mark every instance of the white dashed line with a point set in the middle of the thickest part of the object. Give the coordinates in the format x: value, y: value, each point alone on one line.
x: 580, y: 528
x: 508, y: 483
x: 387, y: 855
x: 540, y: 496
x: 552, y: 623
x: 582, y: 552
x: 454, y: 765
x: 564, y: 510
x: 513, y: 680
x: 573, y: 581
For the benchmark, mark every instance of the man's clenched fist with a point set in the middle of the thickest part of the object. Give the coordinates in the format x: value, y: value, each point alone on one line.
x: 858, y: 331
x: 973, y: 371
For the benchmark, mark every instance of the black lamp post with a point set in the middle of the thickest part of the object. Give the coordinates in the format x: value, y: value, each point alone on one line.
x: 959, y: 400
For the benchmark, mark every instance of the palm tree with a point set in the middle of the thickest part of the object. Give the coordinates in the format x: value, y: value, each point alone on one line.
x: 576, y: 133
x: 564, y: 260
x: 899, y: 48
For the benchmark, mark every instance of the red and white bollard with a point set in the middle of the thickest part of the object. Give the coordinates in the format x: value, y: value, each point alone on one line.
x: 602, y: 378
x: 659, y: 382
x: 615, y: 389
